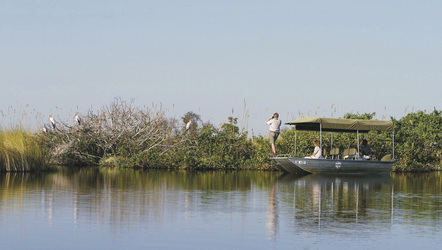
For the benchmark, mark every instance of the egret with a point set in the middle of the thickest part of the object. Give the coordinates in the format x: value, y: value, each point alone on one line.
x: 188, y: 125
x: 52, y: 120
x: 77, y: 119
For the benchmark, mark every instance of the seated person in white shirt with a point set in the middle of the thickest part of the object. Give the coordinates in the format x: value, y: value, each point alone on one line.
x: 317, y: 152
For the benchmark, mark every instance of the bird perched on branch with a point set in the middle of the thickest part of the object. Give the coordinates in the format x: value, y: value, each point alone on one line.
x: 52, y: 120
x: 188, y: 124
x: 45, y: 128
x: 77, y: 119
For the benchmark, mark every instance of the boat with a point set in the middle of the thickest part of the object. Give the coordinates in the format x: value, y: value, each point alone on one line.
x: 351, y: 163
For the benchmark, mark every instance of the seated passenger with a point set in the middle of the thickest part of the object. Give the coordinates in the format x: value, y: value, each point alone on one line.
x: 366, y: 150
x: 317, y: 152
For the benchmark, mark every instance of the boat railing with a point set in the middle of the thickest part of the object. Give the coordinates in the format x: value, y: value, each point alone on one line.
x: 290, y: 156
x: 296, y: 156
x: 285, y: 155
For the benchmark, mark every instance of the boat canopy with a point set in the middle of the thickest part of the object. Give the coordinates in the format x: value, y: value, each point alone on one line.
x: 340, y: 125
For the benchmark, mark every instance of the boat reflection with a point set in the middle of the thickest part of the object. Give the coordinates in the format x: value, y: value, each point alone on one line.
x: 330, y: 202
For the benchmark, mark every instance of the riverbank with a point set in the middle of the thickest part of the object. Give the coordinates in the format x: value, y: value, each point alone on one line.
x: 122, y: 135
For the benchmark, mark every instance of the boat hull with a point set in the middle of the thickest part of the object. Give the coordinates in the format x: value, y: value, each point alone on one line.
x: 295, y: 165
x: 285, y: 164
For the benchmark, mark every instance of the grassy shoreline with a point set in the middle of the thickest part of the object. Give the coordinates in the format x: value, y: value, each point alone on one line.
x: 20, y: 152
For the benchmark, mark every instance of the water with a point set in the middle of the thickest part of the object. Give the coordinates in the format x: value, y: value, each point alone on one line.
x: 126, y: 209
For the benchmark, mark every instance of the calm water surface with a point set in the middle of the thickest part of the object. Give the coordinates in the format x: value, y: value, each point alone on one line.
x: 126, y: 209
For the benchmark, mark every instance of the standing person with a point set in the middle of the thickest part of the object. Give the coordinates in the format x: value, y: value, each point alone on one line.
x: 275, y: 126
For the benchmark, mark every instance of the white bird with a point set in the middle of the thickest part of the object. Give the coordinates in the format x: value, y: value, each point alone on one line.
x: 45, y: 129
x: 52, y: 120
x: 77, y: 119
x: 188, y: 124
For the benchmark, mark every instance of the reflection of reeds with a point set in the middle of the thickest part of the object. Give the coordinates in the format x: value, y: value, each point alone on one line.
x: 19, y: 151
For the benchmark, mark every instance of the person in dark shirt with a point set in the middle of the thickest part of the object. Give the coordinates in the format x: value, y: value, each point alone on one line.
x: 366, y: 150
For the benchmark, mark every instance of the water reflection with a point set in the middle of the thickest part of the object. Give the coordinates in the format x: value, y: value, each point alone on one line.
x: 328, y: 202
x: 261, y: 207
x: 272, y: 213
x: 119, y: 197
x: 341, y: 204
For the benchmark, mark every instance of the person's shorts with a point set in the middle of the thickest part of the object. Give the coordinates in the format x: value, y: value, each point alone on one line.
x: 273, y: 136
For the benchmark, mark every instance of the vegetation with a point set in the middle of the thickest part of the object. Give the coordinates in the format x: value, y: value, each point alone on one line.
x: 119, y: 134
x: 221, y: 148
x: 127, y: 136
x: 20, y: 151
x: 124, y: 135
x: 418, y: 138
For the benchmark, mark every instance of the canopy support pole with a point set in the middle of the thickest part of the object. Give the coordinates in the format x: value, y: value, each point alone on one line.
x: 357, y: 135
x: 331, y: 141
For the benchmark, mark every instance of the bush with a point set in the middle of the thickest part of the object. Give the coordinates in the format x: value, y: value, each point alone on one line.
x: 223, y: 148
x: 119, y: 130
x: 418, y: 141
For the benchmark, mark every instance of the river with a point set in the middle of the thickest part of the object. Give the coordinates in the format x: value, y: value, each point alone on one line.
x: 110, y: 208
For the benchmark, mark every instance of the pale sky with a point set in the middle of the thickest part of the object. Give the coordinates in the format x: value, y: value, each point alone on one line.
x: 298, y: 58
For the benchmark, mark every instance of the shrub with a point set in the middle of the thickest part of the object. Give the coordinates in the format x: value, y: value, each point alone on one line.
x: 418, y: 141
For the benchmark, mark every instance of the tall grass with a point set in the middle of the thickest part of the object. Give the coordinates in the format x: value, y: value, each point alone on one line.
x: 20, y: 152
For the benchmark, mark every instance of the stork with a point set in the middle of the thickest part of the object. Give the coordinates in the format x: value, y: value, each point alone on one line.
x: 45, y: 128
x: 52, y: 120
x: 188, y: 125
x: 77, y: 119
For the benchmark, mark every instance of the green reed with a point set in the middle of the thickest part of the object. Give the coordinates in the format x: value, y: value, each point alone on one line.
x: 20, y: 152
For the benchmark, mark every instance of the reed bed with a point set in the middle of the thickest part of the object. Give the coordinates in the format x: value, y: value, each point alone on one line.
x: 20, y: 152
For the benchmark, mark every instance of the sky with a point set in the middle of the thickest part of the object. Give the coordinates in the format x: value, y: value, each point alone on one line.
x: 246, y: 59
